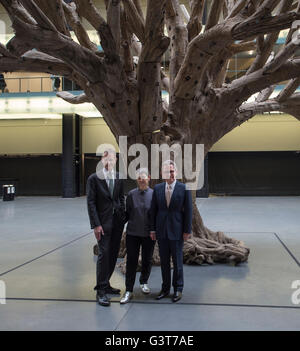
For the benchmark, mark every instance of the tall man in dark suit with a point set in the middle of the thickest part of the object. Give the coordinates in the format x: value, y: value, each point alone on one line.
x: 106, y: 209
x: 171, y: 225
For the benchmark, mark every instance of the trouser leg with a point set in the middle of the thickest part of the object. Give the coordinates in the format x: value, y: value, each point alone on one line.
x: 147, y: 253
x: 116, y: 236
x: 177, y: 258
x: 133, y: 249
x: 102, y: 266
x: 164, y: 253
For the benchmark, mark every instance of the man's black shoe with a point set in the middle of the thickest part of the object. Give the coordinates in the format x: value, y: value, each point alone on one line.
x: 102, y: 299
x: 162, y: 294
x: 177, y: 296
x: 111, y: 290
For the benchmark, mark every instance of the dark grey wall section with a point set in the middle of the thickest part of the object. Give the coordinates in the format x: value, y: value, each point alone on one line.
x: 204, y: 191
x: 230, y: 173
x: 32, y: 174
x: 254, y: 173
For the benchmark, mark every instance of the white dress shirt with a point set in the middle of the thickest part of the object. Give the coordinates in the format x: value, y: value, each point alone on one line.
x: 105, y: 172
x: 172, y: 185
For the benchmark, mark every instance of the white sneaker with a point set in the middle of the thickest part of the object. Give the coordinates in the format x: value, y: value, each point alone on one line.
x: 145, y: 289
x: 126, y: 297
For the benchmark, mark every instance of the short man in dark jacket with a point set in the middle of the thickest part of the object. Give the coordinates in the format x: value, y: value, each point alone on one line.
x: 106, y: 209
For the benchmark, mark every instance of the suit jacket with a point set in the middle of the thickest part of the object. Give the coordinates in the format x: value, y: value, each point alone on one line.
x: 171, y: 222
x: 102, y: 208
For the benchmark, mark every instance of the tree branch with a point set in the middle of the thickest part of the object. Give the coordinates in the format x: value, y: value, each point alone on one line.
x: 269, y: 24
x: 114, y: 22
x: 287, y: 52
x: 202, y: 48
x: 238, y: 6
x: 156, y: 43
x: 5, y: 52
x: 35, y: 62
x: 139, y: 8
x: 73, y: 99
x: 88, y: 10
x: 265, y: 94
x: 291, y: 104
x: 38, y: 15
x: 179, y: 40
x: 194, y: 25
x: 267, y: 45
x: 75, y: 22
x: 62, y: 47
x: 288, y: 90
x: 149, y: 68
x: 243, y: 88
x: 214, y: 14
x: 136, y: 21
x: 55, y: 12
x: 14, y: 8
x: 127, y: 46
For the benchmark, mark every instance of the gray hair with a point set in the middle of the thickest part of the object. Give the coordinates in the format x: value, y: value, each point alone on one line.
x: 141, y: 171
x: 169, y: 163
x: 108, y: 152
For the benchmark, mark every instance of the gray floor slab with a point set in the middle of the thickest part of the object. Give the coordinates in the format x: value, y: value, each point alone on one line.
x: 59, y: 315
x: 54, y: 236
x: 208, y: 318
x: 292, y: 242
x: 251, y: 213
x: 31, y: 226
x: 69, y: 273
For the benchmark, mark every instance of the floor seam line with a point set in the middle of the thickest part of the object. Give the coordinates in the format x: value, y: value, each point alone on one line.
x: 116, y: 328
x: 45, y: 254
x: 155, y: 303
x: 287, y: 249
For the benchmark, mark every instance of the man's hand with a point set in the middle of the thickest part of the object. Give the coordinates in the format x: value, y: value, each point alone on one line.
x: 186, y: 236
x: 98, y: 231
x: 153, y: 236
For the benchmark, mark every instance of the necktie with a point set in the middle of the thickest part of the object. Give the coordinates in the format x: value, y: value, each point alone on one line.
x: 168, y: 194
x: 110, y: 184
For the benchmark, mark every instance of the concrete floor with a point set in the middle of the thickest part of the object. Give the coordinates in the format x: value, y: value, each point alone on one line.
x: 47, y: 265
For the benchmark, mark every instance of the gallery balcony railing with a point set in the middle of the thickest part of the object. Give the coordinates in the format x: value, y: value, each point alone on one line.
x: 37, y: 84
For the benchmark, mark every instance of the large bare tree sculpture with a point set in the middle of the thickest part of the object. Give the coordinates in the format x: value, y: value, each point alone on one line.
x: 202, y: 107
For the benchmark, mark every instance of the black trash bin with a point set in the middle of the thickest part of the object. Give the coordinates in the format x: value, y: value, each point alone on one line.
x: 8, y: 192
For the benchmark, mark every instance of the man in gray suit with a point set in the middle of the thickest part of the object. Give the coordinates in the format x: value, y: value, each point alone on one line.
x: 106, y: 209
